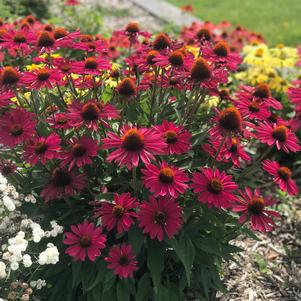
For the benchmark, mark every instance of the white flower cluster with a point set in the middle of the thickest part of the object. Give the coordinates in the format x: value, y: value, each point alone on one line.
x: 16, y: 246
x: 9, y: 196
x: 38, y: 284
x: 17, y: 232
x: 50, y: 255
x: 2, y: 270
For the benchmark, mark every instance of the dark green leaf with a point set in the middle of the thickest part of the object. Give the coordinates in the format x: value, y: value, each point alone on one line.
x: 185, y: 250
x: 101, y: 271
x: 144, y: 288
x: 123, y: 292
x: 76, y: 273
x: 155, y: 262
x: 136, y: 238
x: 109, y: 281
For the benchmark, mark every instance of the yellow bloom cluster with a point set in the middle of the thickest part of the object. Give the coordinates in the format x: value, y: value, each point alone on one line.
x: 274, y: 66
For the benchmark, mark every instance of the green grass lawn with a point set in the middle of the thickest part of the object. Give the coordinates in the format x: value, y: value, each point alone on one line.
x: 278, y: 20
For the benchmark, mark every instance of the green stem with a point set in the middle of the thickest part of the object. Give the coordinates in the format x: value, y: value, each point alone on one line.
x: 135, y: 186
x: 219, y: 148
x: 248, y: 170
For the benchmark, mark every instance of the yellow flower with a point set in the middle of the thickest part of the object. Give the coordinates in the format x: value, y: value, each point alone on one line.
x: 257, y: 55
x: 210, y: 102
x: 279, y: 84
x: 53, y: 55
x: 284, y: 56
x: 26, y: 95
x: 194, y: 50
x: 33, y: 67
x: 108, y: 79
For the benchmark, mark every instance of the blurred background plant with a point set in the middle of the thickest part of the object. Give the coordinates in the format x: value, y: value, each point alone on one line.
x: 38, y: 8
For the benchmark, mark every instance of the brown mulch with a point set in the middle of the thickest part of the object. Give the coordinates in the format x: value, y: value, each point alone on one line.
x: 269, y: 269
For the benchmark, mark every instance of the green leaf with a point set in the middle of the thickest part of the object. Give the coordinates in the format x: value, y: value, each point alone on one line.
x: 88, y: 274
x: 166, y: 294
x: 109, y: 281
x: 62, y: 289
x: 205, y: 281
x: 76, y: 273
x: 101, y: 272
x: 110, y: 294
x: 185, y: 250
x: 250, y: 233
x: 209, y: 245
x: 123, y: 292
x: 155, y: 262
x: 95, y: 294
x: 136, y: 238
x: 144, y: 288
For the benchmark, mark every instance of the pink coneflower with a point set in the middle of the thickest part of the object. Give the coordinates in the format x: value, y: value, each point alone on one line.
x: 126, y: 87
x: 144, y: 60
x: 85, y: 240
x: 72, y: 2
x: 80, y: 152
x: 119, y: 213
x: 5, y: 98
x: 132, y: 31
x: 17, y: 40
x: 113, y: 52
x: 174, y: 60
x: 280, y: 135
x: 87, y: 82
x: 122, y: 261
x: 214, y: 188
x: 261, y: 94
x: 42, y: 149
x: 58, y: 121
x: 176, y: 137
x: 64, y: 65
x: 63, y: 183
x: 164, y: 181
x: 161, y: 42
x: 274, y: 118
x: 294, y: 94
x: 282, y: 176
x: 160, y: 216
x: 65, y: 39
x: 42, y: 78
x: 220, y: 54
x: 206, y: 75
x: 91, y: 65
x: 230, y: 150
x: 134, y: 144
x: 227, y: 123
x: 88, y: 44
x: 90, y: 114
x: 16, y: 126
x: 253, y: 109
x: 9, y: 77
x: 252, y: 205
x: 45, y: 41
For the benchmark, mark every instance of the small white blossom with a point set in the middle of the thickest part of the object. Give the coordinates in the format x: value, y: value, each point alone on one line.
x: 14, y: 266
x: 49, y: 256
x: 38, y: 284
x: 30, y: 199
x: 8, y: 203
x: 6, y: 256
x: 37, y: 232
x: 27, y: 260
x: 2, y: 270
